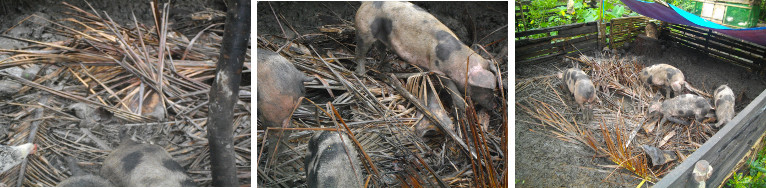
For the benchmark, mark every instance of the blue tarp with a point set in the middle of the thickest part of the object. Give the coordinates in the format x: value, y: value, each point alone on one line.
x: 675, y: 15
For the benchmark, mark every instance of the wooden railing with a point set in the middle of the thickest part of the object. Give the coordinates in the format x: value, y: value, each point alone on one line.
x: 559, y: 41
x: 723, y: 47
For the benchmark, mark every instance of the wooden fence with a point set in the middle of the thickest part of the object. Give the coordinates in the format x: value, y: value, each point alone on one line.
x: 558, y: 41
x: 717, y: 45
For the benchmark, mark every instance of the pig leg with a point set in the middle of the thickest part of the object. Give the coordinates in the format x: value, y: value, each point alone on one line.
x: 587, y: 112
x: 664, y: 119
x: 679, y: 121
x: 277, y: 140
x: 364, y: 42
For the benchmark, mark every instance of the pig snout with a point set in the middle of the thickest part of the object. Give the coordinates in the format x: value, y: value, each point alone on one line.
x: 724, y: 104
x: 420, y: 39
x: 328, y: 165
x: 144, y: 165
x: 280, y: 87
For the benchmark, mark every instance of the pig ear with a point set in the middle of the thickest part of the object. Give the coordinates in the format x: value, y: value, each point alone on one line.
x: 481, y: 78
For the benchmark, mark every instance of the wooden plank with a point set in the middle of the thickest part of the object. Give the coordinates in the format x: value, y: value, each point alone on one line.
x: 579, y: 47
x: 562, y: 34
x: 695, y: 44
x: 550, y: 57
x: 532, y: 48
x: 551, y: 29
x: 718, y: 49
x: 725, y: 149
x: 744, y: 45
x: 559, y: 46
x: 714, y: 45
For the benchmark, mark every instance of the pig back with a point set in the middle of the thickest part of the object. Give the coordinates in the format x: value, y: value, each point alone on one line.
x: 687, y: 105
x: 328, y: 165
x: 280, y: 85
x: 661, y: 75
x: 144, y: 165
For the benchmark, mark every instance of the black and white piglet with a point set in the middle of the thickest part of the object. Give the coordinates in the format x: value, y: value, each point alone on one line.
x: 143, y: 165
x: 332, y: 162
x: 724, y: 105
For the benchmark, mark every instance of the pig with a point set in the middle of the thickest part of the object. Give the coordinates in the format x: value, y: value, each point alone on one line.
x: 686, y: 105
x: 81, y: 178
x: 332, y: 161
x: 580, y: 85
x: 280, y: 86
x: 143, y: 165
x: 724, y: 105
x: 420, y: 39
x: 651, y: 30
x: 665, y: 76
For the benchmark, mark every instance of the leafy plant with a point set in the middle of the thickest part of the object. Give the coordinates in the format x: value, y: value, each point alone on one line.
x: 756, y: 176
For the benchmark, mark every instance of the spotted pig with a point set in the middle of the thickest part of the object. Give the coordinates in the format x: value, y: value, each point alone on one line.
x: 724, y: 105
x: 580, y: 85
x: 143, y: 165
x: 686, y: 105
x: 420, y: 39
x: 665, y: 76
x: 332, y: 162
x: 280, y: 86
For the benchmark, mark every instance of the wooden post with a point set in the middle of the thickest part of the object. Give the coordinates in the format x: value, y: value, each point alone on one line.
x: 225, y: 92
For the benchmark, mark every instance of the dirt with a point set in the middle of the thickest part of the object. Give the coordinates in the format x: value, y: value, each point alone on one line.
x: 542, y: 160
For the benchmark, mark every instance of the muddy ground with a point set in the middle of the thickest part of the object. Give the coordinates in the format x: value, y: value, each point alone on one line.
x: 542, y: 160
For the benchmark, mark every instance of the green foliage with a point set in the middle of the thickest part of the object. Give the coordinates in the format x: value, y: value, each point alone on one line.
x: 549, y: 13
x: 686, y: 5
x: 756, y: 176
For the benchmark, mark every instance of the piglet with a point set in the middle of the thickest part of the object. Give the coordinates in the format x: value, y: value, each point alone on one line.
x: 81, y: 178
x: 665, y: 76
x: 580, y: 85
x: 143, y: 165
x: 686, y: 105
x: 724, y: 105
x: 651, y: 30
x: 280, y: 86
x: 332, y: 162
x: 420, y: 39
